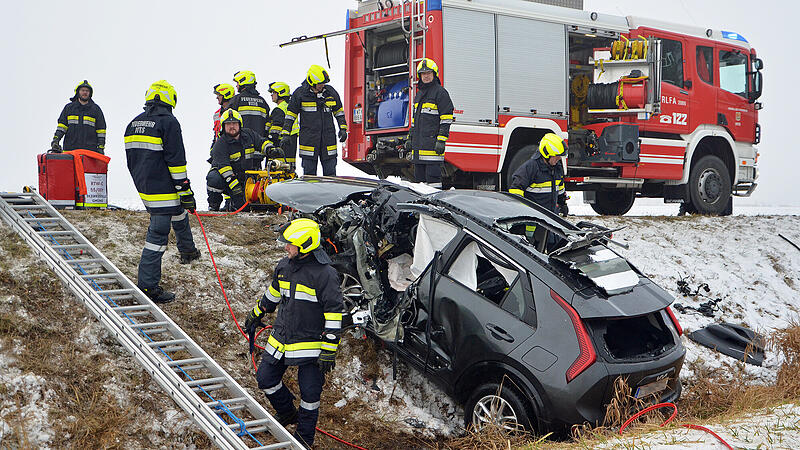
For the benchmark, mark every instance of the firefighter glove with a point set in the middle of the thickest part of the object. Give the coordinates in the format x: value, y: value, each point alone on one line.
x: 285, y: 142
x: 252, y: 324
x: 237, y: 191
x: 342, y: 135
x: 408, y: 146
x: 275, y: 152
x: 55, y: 147
x: 326, y: 361
x: 186, y: 196
x: 439, y: 148
x: 563, y: 209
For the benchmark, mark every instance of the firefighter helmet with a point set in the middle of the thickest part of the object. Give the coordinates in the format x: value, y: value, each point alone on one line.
x: 551, y: 145
x: 280, y: 88
x: 84, y: 83
x: 225, y: 90
x: 317, y: 75
x: 244, y: 77
x: 304, y: 233
x: 230, y: 115
x: 427, y: 65
x: 163, y: 92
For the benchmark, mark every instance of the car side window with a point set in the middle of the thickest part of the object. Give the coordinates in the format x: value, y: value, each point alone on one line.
x: 672, y: 62
x: 705, y: 63
x: 484, y: 275
x: 514, y: 301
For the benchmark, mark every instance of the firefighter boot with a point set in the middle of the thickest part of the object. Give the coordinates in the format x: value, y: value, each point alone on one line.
x: 287, y: 418
x: 186, y: 258
x: 159, y: 295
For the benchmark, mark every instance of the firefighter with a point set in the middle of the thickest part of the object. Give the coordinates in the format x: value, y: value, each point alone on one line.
x: 229, y: 157
x: 280, y: 96
x: 82, y: 122
x: 224, y: 93
x: 306, y: 330
x: 541, y: 178
x: 250, y: 104
x: 157, y: 163
x: 430, y: 125
x: 316, y: 104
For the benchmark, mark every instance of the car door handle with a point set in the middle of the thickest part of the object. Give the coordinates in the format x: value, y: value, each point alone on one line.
x: 499, y: 333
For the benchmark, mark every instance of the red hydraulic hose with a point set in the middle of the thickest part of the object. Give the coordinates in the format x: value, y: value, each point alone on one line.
x: 225, y: 295
x: 672, y: 416
x: 221, y: 214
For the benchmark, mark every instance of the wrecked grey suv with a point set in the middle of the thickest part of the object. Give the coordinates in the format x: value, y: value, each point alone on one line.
x: 520, y: 315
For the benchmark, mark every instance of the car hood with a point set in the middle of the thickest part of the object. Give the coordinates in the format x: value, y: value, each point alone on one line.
x: 308, y: 194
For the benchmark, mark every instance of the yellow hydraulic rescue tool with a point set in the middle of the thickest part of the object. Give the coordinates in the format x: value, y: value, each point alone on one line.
x: 276, y: 171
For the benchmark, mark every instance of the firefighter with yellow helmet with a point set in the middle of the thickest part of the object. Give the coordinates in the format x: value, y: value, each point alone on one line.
x: 157, y: 163
x: 316, y: 103
x: 233, y: 154
x: 430, y: 125
x: 306, y: 330
x: 280, y: 96
x: 253, y: 108
x: 541, y: 178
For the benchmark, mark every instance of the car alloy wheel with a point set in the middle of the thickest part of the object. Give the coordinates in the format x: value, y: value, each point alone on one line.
x: 496, y: 410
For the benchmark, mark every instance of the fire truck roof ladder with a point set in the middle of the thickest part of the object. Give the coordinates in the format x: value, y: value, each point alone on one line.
x: 226, y: 412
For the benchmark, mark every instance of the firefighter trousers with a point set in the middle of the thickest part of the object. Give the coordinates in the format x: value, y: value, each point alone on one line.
x: 310, y: 165
x: 309, y: 378
x: 156, y: 244
x: 430, y: 174
x: 215, y: 181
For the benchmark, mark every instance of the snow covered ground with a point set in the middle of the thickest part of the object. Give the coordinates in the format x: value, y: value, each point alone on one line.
x: 744, y: 262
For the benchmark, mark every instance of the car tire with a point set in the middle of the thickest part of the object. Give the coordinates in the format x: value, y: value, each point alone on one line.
x: 501, y: 404
x: 613, y: 202
x: 710, y: 186
x: 520, y: 157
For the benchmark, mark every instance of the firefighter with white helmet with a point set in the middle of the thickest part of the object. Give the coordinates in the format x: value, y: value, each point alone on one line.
x: 430, y: 125
x: 306, y: 330
x: 541, y: 178
x: 316, y: 103
x: 157, y: 163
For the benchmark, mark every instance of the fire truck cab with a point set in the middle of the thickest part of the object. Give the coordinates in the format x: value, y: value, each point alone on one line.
x: 649, y: 109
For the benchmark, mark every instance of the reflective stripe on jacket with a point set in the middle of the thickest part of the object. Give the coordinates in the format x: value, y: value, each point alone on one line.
x: 316, y: 112
x: 275, y: 126
x: 433, y: 114
x: 156, y: 158
x: 309, y: 318
x: 539, y: 182
x: 253, y: 108
x: 83, y: 125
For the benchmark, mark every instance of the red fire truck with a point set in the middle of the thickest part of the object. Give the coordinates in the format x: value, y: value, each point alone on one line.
x: 649, y: 109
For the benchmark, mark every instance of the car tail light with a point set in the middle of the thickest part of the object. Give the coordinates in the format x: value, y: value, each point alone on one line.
x: 674, y: 319
x: 587, y: 355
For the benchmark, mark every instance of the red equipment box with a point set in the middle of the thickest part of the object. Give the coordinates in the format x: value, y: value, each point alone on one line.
x: 57, y: 178
x: 93, y: 188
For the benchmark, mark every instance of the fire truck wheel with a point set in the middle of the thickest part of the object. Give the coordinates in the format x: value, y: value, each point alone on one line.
x: 710, y: 186
x: 520, y: 156
x: 613, y: 202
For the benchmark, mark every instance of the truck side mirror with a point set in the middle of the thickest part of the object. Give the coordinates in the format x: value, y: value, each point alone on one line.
x: 758, y: 64
x: 757, y: 84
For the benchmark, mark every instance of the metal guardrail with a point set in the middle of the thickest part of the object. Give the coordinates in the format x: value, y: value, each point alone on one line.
x: 230, y: 417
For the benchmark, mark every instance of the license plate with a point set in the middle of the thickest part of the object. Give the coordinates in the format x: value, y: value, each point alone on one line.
x: 652, y: 388
x: 358, y: 115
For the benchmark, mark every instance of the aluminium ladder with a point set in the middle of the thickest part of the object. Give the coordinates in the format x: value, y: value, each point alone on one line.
x: 230, y: 417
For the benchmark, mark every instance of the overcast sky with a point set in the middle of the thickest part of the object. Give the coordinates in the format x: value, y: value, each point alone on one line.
x: 48, y: 47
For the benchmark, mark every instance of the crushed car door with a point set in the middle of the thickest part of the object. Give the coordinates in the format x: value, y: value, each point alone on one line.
x: 478, y: 310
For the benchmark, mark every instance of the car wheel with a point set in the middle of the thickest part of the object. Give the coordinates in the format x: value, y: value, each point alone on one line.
x: 523, y: 154
x: 615, y: 202
x: 500, y: 405
x: 710, y: 186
